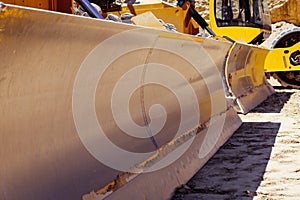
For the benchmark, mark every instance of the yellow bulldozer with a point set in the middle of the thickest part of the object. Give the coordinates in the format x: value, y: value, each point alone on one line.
x: 124, y: 106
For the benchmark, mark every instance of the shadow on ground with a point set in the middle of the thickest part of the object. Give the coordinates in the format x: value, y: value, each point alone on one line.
x: 274, y: 103
x: 237, y: 169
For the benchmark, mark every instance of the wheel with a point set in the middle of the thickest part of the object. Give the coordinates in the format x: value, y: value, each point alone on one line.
x: 287, y: 39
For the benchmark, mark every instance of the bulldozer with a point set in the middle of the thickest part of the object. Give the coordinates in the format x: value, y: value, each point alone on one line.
x: 98, y: 109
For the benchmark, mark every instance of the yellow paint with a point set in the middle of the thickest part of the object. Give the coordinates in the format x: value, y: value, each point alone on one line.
x: 237, y: 33
x: 255, y: 66
x: 277, y: 60
x: 246, y: 34
x: 11, y: 12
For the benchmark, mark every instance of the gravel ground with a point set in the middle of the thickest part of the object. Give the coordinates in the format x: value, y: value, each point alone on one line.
x: 260, y: 161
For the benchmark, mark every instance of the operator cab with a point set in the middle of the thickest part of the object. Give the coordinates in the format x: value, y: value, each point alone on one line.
x: 248, y: 13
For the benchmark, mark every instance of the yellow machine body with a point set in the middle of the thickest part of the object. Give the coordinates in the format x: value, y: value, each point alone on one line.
x: 237, y: 33
x: 279, y: 59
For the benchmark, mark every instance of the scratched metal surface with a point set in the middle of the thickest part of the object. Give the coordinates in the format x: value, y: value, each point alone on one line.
x: 44, y: 62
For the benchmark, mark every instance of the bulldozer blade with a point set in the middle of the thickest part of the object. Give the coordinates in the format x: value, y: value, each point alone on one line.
x: 246, y: 84
x: 88, y: 103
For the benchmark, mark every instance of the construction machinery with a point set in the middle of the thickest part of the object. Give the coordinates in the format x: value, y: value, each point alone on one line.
x: 94, y: 109
x: 249, y: 21
x: 241, y: 20
x: 245, y: 83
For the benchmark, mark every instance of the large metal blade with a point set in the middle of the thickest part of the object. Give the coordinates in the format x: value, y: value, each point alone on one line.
x: 84, y: 101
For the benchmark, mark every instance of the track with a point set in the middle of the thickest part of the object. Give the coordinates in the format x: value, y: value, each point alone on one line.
x: 260, y: 161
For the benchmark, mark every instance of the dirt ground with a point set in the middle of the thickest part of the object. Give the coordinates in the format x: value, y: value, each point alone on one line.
x: 260, y: 161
